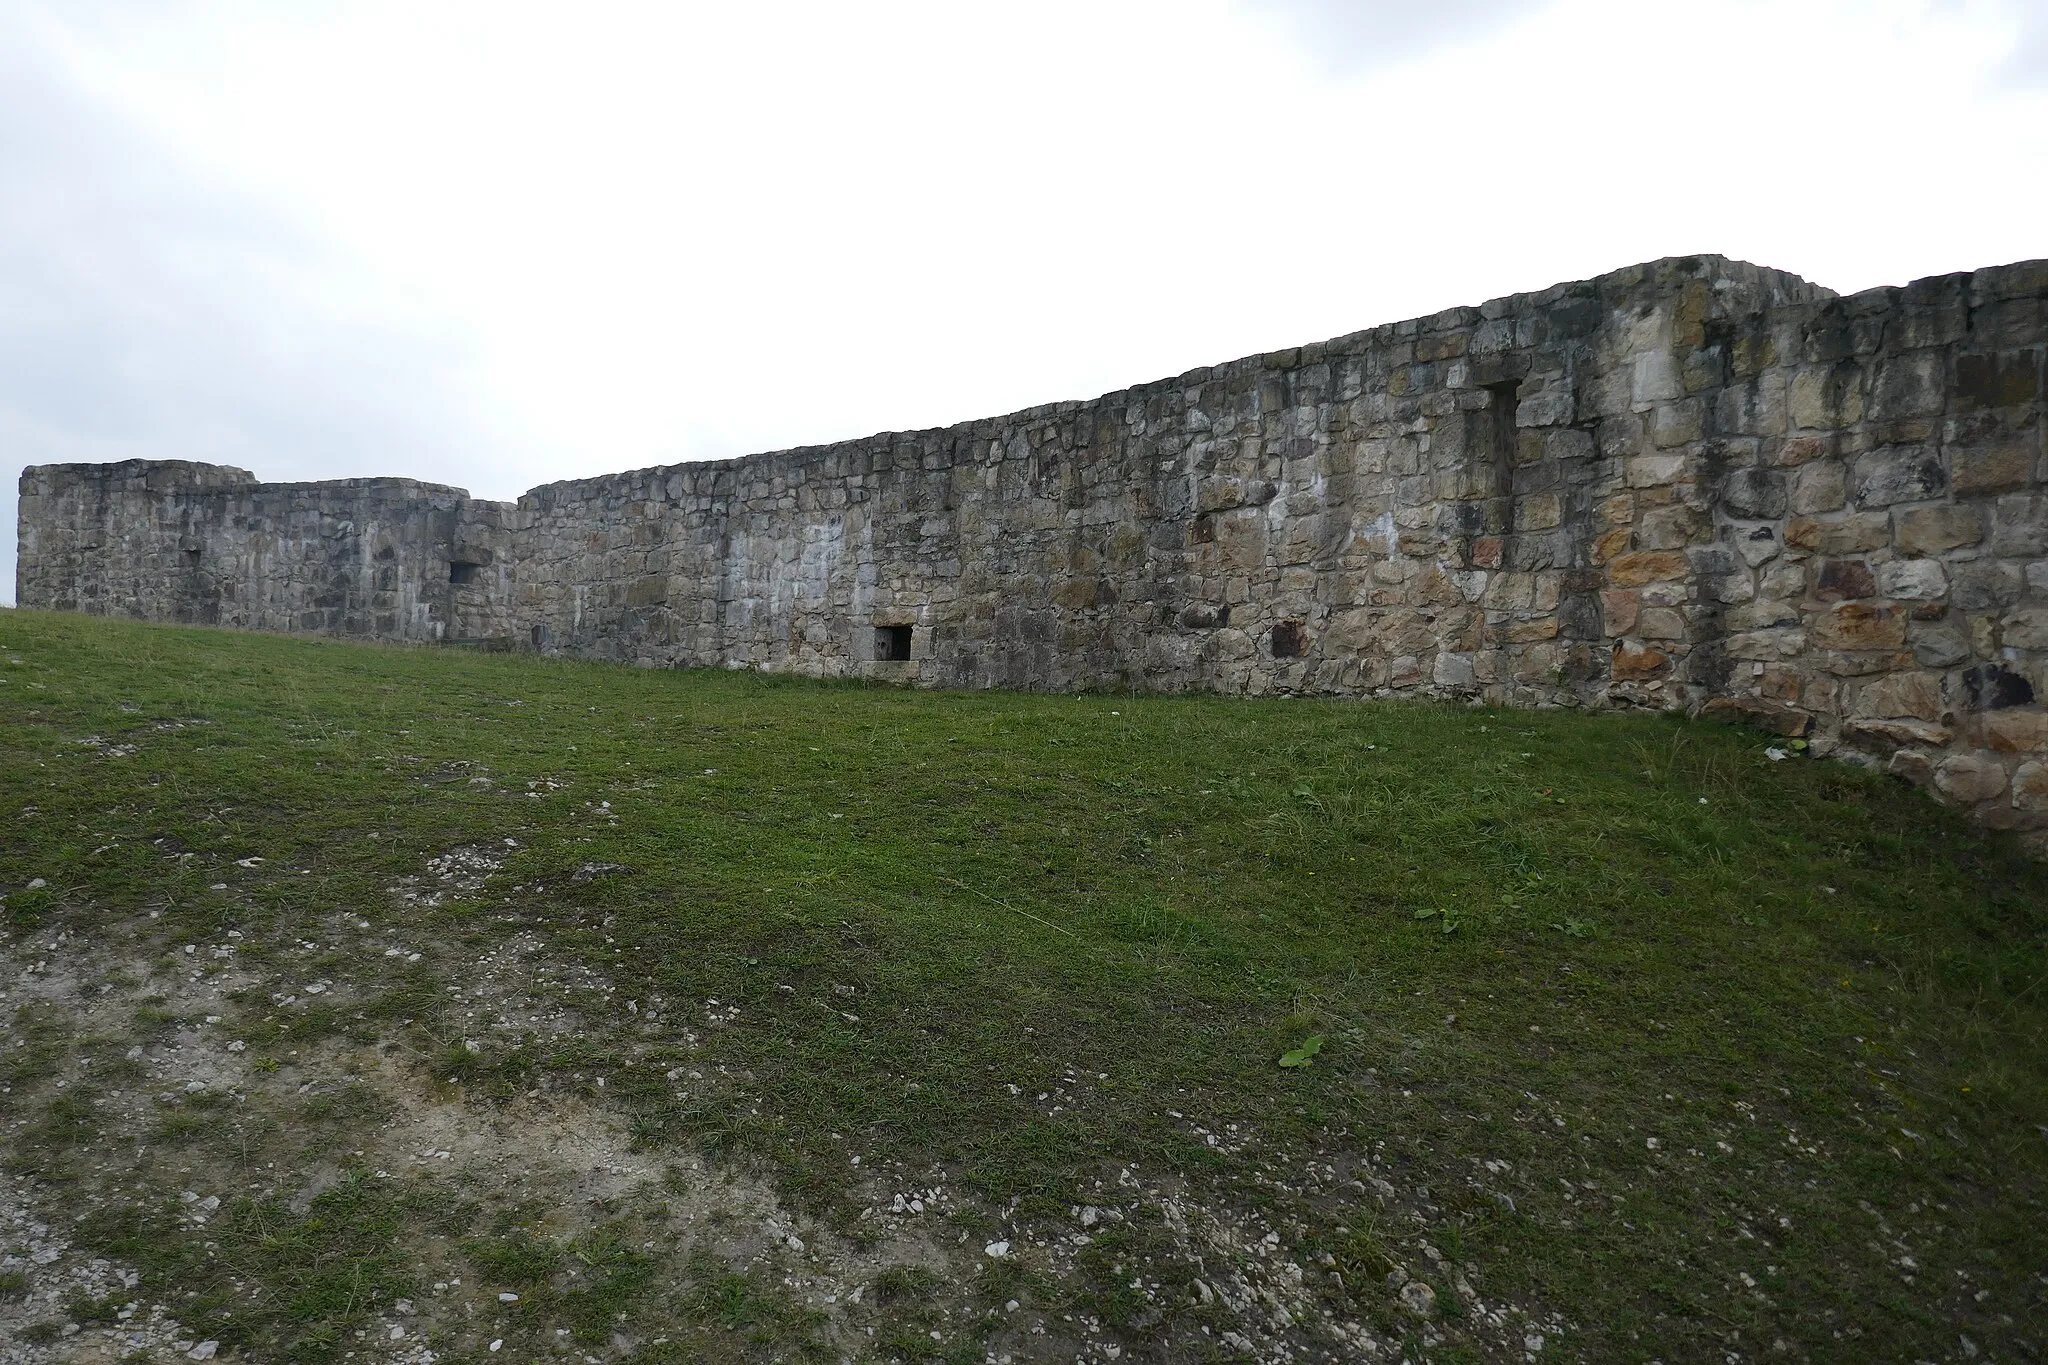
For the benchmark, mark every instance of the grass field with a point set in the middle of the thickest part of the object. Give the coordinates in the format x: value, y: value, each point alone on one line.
x: 720, y: 1016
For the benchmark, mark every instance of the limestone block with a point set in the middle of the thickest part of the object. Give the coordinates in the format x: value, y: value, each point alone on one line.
x: 2019, y: 525
x: 1913, y: 580
x: 1985, y: 585
x: 1967, y: 779
x: 1633, y: 663
x: 1661, y: 623
x: 1675, y: 424
x: 1843, y: 535
x: 1931, y: 530
x: 1646, y: 566
x: 1656, y: 377
x: 1654, y: 471
x: 1859, y: 625
x: 1799, y: 450
x: 1673, y: 528
x: 2018, y: 731
x: 1897, y: 474
x: 1916, y: 695
x: 1910, y: 385
x: 2025, y: 629
x: 1996, y: 468
x: 1761, y: 614
x: 1766, y: 645
x: 1887, y: 734
x: 1755, y: 493
x: 2030, y: 786
x: 1819, y: 488
x: 1842, y: 580
x: 1619, y: 609
x: 1529, y: 632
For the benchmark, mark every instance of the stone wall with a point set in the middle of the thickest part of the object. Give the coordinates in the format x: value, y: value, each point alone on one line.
x: 1695, y: 483
x: 174, y: 541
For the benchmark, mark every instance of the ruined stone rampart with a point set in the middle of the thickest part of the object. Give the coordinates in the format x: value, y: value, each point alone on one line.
x: 1695, y: 484
x: 175, y: 541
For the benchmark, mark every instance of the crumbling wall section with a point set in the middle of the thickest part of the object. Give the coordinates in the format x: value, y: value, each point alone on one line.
x: 175, y: 541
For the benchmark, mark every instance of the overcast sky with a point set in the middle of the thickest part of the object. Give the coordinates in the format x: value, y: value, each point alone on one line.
x: 496, y: 244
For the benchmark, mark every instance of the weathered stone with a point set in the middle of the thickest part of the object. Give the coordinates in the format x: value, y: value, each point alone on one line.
x: 1845, y: 535
x: 1646, y: 566
x: 1819, y: 488
x: 1860, y: 625
x: 1661, y: 623
x: 1902, y: 694
x: 1636, y: 662
x: 1985, y: 587
x: 1755, y: 493
x: 2025, y: 629
x: 1996, y: 468
x: 1967, y: 779
x: 1618, y: 610
x: 1901, y: 474
x: 2014, y: 732
x: 1884, y: 735
x: 1931, y: 530
x: 1915, y: 765
x: 1844, y: 579
x: 2030, y: 786
x: 1912, y: 580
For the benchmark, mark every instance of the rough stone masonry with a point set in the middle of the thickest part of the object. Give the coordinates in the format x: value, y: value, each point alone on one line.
x: 1695, y: 483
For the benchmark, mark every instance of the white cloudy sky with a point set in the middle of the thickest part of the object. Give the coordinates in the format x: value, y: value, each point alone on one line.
x: 495, y: 244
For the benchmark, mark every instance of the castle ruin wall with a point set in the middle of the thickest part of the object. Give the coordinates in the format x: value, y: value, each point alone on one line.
x: 1695, y: 483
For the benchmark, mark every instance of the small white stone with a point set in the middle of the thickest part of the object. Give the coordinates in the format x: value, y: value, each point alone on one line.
x: 997, y: 1249
x: 508, y: 1297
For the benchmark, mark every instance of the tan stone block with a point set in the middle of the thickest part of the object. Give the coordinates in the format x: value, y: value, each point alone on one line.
x: 1539, y: 512
x: 1618, y: 610
x: 1766, y: 645
x: 1762, y: 613
x: 1661, y: 623
x: 2025, y: 629
x: 1675, y: 424
x: 1915, y: 765
x: 1967, y: 779
x: 1654, y: 471
x: 1618, y: 510
x: 1798, y: 450
x: 1820, y: 488
x: 1606, y: 547
x: 2014, y: 731
x: 1917, y: 695
x: 1930, y: 530
x: 1646, y: 566
x: 1842, y: 535
x: 1860, y: 625
x: 1673, y: 528
x: 2030, y: 786
x: 1780, y: 682
x: 1634, y: 663
x: 1996, y: 468
x: 1528, y: 632
x: 1890, y: 734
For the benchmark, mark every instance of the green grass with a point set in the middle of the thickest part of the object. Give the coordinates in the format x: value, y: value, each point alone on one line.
x: 1621, y: 1011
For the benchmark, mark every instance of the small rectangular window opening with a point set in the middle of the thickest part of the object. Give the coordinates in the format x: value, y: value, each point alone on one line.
x: 461, y: 572
x: 1290, y: 640
x: 892, y: 644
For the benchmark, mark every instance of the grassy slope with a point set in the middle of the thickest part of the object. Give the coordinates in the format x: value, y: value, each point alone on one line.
x: 1706, y: 1016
